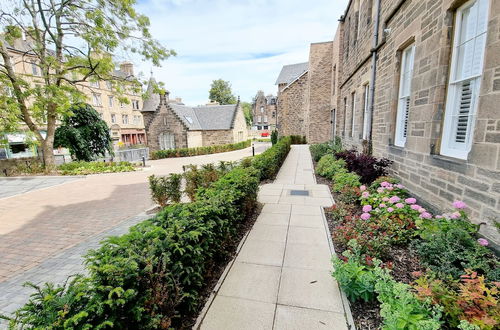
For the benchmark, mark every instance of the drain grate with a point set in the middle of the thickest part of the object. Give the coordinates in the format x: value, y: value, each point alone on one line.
x: 299, y: 192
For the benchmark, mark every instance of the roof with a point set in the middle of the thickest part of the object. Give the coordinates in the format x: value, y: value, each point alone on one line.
x: 291, y: 72
x: 151, y: 99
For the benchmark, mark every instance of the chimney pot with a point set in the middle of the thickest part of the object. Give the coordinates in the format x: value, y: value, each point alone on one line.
x: 128, y: 68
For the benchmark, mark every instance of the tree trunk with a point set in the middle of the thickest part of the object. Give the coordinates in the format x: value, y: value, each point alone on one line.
x: 48, y: 153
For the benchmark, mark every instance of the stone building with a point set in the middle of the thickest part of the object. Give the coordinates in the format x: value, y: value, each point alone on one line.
x: 171, y: 124
x: 264, y: 111
x: 419, y: 83
x: 304, y: 95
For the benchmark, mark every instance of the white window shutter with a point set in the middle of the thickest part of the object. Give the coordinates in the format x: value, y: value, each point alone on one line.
x: 404, y: 99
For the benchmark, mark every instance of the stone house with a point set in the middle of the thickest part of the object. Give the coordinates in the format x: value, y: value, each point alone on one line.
x: 419, y: 83
x: 304, y: 95
x: 264, y: 111
x: 171, y: 124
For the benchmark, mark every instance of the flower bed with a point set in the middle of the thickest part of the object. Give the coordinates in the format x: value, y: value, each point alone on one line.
x: 185, y: 152
x: 400, y: 266
x: 155, y: 276
x: 84, y: 168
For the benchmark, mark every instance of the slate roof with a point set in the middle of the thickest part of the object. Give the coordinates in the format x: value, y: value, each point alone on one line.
x: 291, y: 72
x: 152, y: 100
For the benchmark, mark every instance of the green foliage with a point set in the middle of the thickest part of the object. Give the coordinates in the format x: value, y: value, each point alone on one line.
x: 342, y: 179
x: 247, y: 112
x: 274, y: 137
x: 165, y: 189
x: 355, y: 279
x: 376, y: 184
x: 185, y: 152
x: 328, y: 166
x: 269, y: 162
x: 84, y: 168
x: 220, y: 91
x: 321, y: 149
x: 298, y: 139
x: 84, y: 133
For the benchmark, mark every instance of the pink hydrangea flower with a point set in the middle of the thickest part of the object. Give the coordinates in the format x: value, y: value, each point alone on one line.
x: 410, y: 200
x: 454, y: 215
x: 385, y: 184
x: 400, y: 205
x: 382, y: 205
x: 425, y: 215
x: 483, y: 242
x: 365, y: 216
x: 380, y: 190
x: 415, y: 207
x: 422, y: 210
x: 385, y: 199
x: 390, y: 209
x: 365, y: 194
x: 400, y: 186
x: 367, y: 208
x: 362, y: 188
x: 394, y: 199
x: 459, y: 205
x: 390, y: 188
x: 439, y: 216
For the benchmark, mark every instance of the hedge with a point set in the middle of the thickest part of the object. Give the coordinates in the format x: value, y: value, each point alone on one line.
x: 151, y: 277
x: 185, y: 152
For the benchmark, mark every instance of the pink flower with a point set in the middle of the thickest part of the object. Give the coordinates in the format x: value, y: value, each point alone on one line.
x: 394, y: 199
x: 483, y: 242
x: 382, y: 205
x: 400, y: 186
x: 390, y: 209
x: 459, y: 205
x: 380, y: 190
x: 365, y: 194
x: 422, y: 210
x: 385, y: 199
x: 385, y: 184
x: 365, y: 216
x: 367, y: 208
x: 362, y: 188
x: 410, y: 200
x: 416, y: 207
x: 390, y: 188
x: 439, y: 216
x: 425, y: 215
x: 400, y: 205
x: 454, y: 215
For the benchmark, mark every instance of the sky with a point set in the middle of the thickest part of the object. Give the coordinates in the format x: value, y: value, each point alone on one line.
x: 243, y: 41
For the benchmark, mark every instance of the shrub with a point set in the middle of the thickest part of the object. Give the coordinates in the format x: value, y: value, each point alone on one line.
x: 298, y: 139
x: 355, y: 279
x: 367, y: 167
x: 328, y: 166
x: 184, y: 152
x: 321, y: 149
x: 165, y: 188
x: 342, y: 179
x: 84, y: 168
x: 376, y: 184
x: 269, y: 162
x: 193, y: 180
x: 274, y: 137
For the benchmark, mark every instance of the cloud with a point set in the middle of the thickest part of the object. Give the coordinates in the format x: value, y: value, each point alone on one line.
x: 243, y: 41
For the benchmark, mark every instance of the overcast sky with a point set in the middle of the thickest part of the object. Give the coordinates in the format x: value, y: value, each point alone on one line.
x: 243, y: 41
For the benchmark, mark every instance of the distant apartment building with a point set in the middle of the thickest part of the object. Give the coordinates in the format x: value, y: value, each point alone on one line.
x: 264, y: 112
x: 124, y: 119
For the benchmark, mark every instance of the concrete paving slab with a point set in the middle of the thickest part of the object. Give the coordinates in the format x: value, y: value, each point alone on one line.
x: 307, y: 256
x: 306, y: 210
x: 273, y: 233
x: 312, y: 221
x: 306, y: 235
x: 295, y: 318
x: 273, y: 219
x: 262, y: 253
x: 268, y: 198
x: 276, y: 208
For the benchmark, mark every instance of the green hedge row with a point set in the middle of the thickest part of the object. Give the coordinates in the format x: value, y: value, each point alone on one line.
x: 185, y: 152
x: 150, y: 278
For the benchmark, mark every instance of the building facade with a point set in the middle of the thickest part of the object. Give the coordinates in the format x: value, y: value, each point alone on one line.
x: 264, y: 112
x: 172, y: 125
x: 419, y: 83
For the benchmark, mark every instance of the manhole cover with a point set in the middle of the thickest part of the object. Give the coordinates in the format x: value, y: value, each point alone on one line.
x: 299, y: 192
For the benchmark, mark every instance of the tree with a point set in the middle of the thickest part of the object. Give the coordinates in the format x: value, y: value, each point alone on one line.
x: 84, y: 133
x: 247, y: 111
x: 71, y: 42
x: 220, y: 91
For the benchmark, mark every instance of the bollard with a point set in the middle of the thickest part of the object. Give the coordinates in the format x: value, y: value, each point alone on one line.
x: 253, y: 149
x: 143, y: 161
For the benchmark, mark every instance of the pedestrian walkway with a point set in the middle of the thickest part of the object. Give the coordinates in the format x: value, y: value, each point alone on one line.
x: 281, y: 277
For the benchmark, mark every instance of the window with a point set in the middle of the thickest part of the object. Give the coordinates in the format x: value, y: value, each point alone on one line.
x: 369, y: 12
x: 259, y: 119
x: 265, y: 119
x: 334, y: 73
x: 109, y: 85
x: 124, y: 119
x: 406, y: 73
x: 353, y: 113
x: 345, y: 117
x: 113, y: 118
x: 273, y: 114
x: 465, y: 79
x: 135, y: 104
x: 34, y: 68
x: 334, y: 123
x: 167, y: 141
x: 366, y: 114
x: 97, y: 99
x: 261, y: 109
x: 189, y: 119
x: 94, y: 84
x: 137, y: 120
x: 110, y: 101
x: 122, y: 105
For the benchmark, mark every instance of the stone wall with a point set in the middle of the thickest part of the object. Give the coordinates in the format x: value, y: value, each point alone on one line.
x: 195, y: 139
x: 240, y: 129
x: 211, y: 138
x: 435, y: 179
x: 292, y: 104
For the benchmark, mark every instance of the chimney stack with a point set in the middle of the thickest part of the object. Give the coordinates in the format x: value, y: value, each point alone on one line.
x: 128, y: 68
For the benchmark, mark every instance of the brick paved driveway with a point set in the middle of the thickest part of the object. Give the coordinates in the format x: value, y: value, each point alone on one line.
x: 39, y: 224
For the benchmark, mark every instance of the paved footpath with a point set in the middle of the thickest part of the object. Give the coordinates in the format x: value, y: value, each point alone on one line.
x: 281, y: 277
x: 44, y: 232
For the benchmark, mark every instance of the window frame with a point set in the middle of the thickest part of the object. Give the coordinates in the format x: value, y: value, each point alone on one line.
x: 353, y: 112
x: 402, y: 119
x: 366, y: 109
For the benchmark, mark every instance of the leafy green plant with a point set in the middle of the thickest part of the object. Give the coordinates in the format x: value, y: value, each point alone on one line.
x: 274, y: 137
x: 185, y: 152
x: 298, y: 139
x: 328, y: 166
x: 342, y: 179
x: 321, y: 149
x: 269, y: 162
x: 165, y: 189
x: 84, y: 168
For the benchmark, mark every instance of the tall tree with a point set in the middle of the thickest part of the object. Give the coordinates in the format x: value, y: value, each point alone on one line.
x: 220, y: 91
x: 71, y: 42
x: 84, y: 133
x: 247, y: 111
